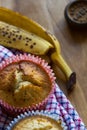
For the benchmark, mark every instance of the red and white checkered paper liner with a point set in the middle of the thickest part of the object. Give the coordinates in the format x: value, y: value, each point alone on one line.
x: 57, y: 104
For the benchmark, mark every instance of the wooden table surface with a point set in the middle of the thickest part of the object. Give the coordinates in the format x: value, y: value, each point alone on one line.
x: 50, y: 14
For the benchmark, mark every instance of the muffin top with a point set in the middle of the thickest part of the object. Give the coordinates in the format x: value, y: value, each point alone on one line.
x: 37, y: 122
x: 24, y: 84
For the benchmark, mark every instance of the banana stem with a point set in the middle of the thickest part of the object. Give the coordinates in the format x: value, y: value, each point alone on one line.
x: 70, y: 76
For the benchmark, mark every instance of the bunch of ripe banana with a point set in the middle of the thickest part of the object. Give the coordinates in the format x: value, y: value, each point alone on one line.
x: 20, y: 32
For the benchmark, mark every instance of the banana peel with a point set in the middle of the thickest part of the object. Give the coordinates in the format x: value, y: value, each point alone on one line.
x: 18, y: 20
x: 15, y: 37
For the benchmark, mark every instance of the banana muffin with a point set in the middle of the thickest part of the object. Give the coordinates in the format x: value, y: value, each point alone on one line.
x: 36, y: 120
x: 38, y: 123
x: 25, y: 82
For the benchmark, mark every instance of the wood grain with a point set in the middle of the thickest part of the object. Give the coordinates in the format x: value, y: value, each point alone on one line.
x: 50, y: 14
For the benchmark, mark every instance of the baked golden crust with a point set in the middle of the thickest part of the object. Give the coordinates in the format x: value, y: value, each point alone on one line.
x: 7, y: 80
x: 38, y: 123
x: 24, y: 84
x: 34, y: 74
x: 28, y: 95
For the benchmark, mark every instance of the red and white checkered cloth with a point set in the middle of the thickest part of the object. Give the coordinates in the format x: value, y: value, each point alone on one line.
x: 58, y: 103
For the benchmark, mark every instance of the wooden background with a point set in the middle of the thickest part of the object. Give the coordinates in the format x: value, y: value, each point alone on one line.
x: 50, y: 14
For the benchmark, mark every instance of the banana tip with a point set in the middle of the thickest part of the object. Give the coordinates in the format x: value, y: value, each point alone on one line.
x: 71, y: 81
